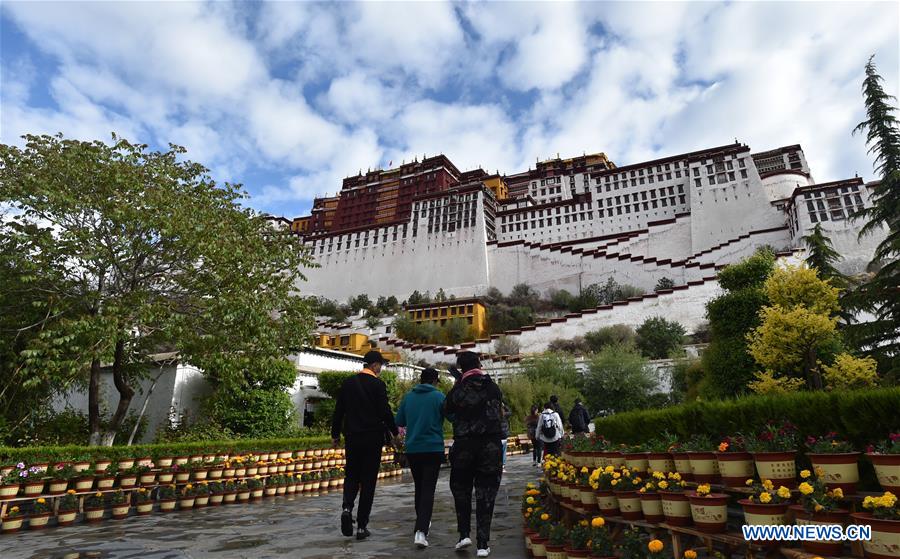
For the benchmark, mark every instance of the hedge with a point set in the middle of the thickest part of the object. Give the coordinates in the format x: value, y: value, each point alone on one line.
x: 35, y: 454
x: 861, y: 416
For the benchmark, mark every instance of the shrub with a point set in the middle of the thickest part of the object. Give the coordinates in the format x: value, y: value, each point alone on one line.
x: 617, y: 334
x: 507, y: 345
x: 658, y: 337
x: 576, y: 346
x: 618, y: 379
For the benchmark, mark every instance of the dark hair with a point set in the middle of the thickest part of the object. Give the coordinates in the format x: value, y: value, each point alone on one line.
x: 577, y: 401
x: 428, y: 376
x: 535, y: 408
x: 468, y: 360
x: 547, y: 405
x: 554, y: 398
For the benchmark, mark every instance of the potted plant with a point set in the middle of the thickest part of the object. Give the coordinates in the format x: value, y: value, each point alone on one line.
x: 884, y: 519
x: 735, y: 463
x: 12, y: 482
x: 587, y: 498
x: 675, y: 504
x: 885, y: 456
x: 164, y: 458
x: 243, y: 490
x: 601, y: 481
x: 67, y: 509
x: 199, y: 471
x: 182, y: 472
x: 229, y: 492
x: 85, y: 481
x: 40, y: 514
x: 94, y: 508
x: 143, y: 501
x: 651, y: 503
x: 837, y: 459
x: 556, y: 541
x: 774, y: 451
x: 625, y: 485
x: 32, y: 480
x: 601, y: 544
x: 121, y: 504
x: 100, y: 465
x: 819, y: 505
x: 539, y: 527
x: 12, y: 522
x: 709, y: 510
x: 187, y: 496
x: 81, y: 462
x: 577, y: 545
x: 766, y: 504
x: 202, y: 494
x: 682, y: 460
x: 704, y: 466
x: 128, y: 477
x: 636, y: 458
x: 106, y: 479
x: 146, y: 475
x: 658, y: 457
x: 216, y: 493
x: 60, y: 474
x: 166, y: 476
x: 168, y: 498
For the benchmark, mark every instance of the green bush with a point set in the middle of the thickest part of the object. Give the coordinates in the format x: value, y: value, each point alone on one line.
x: 862, y: 416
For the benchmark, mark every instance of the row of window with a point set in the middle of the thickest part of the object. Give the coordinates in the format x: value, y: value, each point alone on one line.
x: 833, y: 204
x: 457, y: 310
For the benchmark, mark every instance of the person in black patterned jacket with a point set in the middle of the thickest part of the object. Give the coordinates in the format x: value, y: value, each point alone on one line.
x: 475, y: 407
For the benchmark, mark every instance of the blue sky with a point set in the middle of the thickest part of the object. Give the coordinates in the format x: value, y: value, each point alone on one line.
x: 287, y: 98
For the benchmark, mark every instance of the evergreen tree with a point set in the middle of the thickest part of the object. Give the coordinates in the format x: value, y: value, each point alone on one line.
x: 881, y: 294
x: 821, y: 256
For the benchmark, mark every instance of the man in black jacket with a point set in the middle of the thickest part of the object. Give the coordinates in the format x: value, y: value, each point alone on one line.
x: 475, y: 407
x: 579, y: 419
x: 364, y: 415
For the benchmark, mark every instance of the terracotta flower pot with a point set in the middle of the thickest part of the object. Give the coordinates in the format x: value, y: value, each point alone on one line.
x: 660, y: 462
x: 613, y: 458
x: 201, y: 501
x: 101, y: 465
x: 66, y: 517
x: 822, y: 548
x: 200, y: 474
x: 630, y: 505
x: 607, y: 503
x: 651, y: 507
x: 637, y: 461
x: 164, y: 462
x: 710, y: 512
x: 128, y: 481
x: 107, y: 482
x: 683, y: 465
x: 186, y: 503
x: 11, y: 525
x: 58, y: 486
x: 887, y: 468
x: 94, y: 514
x: 182, y: 477
x: 9, y: 491
x: 839, y: 469
x: 778, y: 467
x: 216, y: 499
x: 120, y: 512
x: 735, y: 468
x: 33, y: 488
x: 230, y: 497
x: 759, y: 513
x: 38, y: 521
x: 166, y: 477
x: 126, y: 463
x: 257, y: 493
x: 144, y: 508
x: 588, y: 499
x: 539, y: 546
x: 243, y: 496
x: 704, y: 467
x: 148, y: 478
x: 676, y: 508
x: 81, y: 465
x: 167, y: 505
x: 885, y: 542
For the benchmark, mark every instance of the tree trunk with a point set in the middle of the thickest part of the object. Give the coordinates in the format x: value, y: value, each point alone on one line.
x: 94, y: 402
x: 140, y: 416
x: 126, y: 393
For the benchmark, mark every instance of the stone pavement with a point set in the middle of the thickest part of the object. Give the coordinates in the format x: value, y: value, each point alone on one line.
x: 285, y: 527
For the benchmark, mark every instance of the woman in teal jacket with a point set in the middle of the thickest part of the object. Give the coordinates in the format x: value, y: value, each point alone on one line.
x: 421, y: 413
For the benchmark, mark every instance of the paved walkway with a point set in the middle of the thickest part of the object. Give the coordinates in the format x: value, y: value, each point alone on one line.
x: 294, y: 526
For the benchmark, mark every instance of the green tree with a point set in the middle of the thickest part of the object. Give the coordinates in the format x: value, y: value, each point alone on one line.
x: 555, y: 368
x: 821, y: 256
x: 417, y: 298
x: 727, y: 364
x: 506, y: 345
x: 135, y: 251
x: 879, y: 295
x: 664, y: 283
x: 360, y: 303
x: 258, y: 404
x: 616, y: 334
x: 561, y: 299
x: 619, y: 379
x: 455, y: 331
x: 657, y: 337
x: 440, y: 296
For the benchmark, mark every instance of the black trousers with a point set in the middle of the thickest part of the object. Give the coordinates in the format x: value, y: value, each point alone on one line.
x: 475, y: 463
x: 425, y: 467
x: 537, y: 446
x: 361, y: 472
x: 552, y: 448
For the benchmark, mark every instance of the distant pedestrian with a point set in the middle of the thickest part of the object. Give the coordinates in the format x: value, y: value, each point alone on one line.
x: 421, y: 412
x: 531, y: 426
x: 579, y: 418
x: 364, y: 415
x: 550, y: 430
x: 554, y: 404
x: 475, y: 407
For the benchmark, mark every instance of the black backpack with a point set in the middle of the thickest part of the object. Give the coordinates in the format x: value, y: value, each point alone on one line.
x: 548, y: 426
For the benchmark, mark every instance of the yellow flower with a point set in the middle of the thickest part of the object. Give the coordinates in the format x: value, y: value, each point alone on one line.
x: 609, y: 469
x: 690, y: 554
x: 663, y: 484
x: 189, y: 486
x: 583, y: 523
x: 784, y: 492
x: 598, y: 522
x: 545, y: 517
x: 655, y: 546
x: 71, y: 491
x: 818, y: 507
x: 14, y: 509
x: 749, y: 482
x: 614, y: 482
x: 703, y: 489
x: 584, y: 469
x: 838, y: 493
x: 767, y: 483
x: 805, y: 474
x: 530, y: 500
x: 616, y: 475
x: 530, y: 509
x: 42, y: 501
x: 805, y: 488
x: 764, y: 497
x: 98, y: 494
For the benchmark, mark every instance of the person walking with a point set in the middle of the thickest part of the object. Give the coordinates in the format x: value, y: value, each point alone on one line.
x: 475, y: 407
x: 363, y: 414
x: 579, y: 418
x: 554, y: 404
x: 421, y: 412
x: 531, y: 426
x: 550, y: 430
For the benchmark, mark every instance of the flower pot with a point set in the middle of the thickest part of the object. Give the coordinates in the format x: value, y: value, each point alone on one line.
x: 34, y: 488
x: 148, y: 479
x: 229, y: 497
x: 38, y: 521
x: 144, y: 508
x: 555, y: 551
x: 676, y: 508
x: 271, y: 491
x: 612, y: 458
x: 186, y: 503
x: 228, y: 472
x: 576, y: 553
x: 709, y: 513
x: 126, y: 463
x: 166, y: 478
x: 256, y: 493
x: 251, y: 471
x: 164, y: 462
x: 81, y: 465
x: 11, y: 525
x: 200, y: 474
x: 181, y: 460
x: 281, y: 490
x: 243, y: 496
x: 145, y: 461
x: 539, y: 546
x: 607, y: 503
x: 778, y: 467
x: 651, y: 507
x: 214, y: 473
x: 216, y: 499
x: 182, y: 477
x: 822, y: 548
x: 10, y: 491
x: 885, y: 542
x: 167, y: 505
x: 240, y: 472
x: 704, y: 467
x: 682, y: 465
x: 838, y: 469
x: 588, y: 499
x: 528, y: 535
x: 762, y: 514
x: 128, y: 481
x: 660, y: 462
x: 637, y: 461
x: 94, y: 514
x: 887, y: 468
x: 101, y: 465
x: 107, y: 482
x: 630, y: 505
x: 120, y: 512
x: 201, y: 501
x: 58, y: 486
x: 735, y: 468
x: 66, y: 517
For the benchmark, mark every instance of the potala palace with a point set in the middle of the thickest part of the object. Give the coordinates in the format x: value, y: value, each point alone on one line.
x: 573, y: 222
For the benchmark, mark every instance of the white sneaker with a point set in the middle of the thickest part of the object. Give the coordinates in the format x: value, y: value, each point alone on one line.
x: 463, y: 543
x: 483, y: 552
x: 420, y: 540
